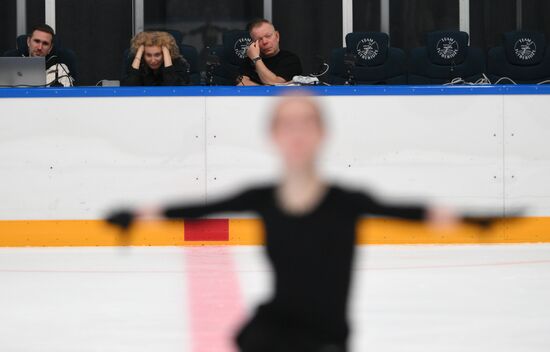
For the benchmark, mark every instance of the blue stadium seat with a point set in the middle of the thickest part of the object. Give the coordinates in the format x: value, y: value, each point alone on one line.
x: 446, y: 56
x: 66, y: 55
x: 367, y: 59
x: 524, y: 58
x: 189, y: 53
x: 231, y: 54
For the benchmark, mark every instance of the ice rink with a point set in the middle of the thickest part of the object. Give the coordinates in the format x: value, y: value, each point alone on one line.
x: 405, y: 298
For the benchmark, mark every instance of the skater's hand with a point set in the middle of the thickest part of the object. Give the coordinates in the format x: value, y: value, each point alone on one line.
x: 442, y: 218
x: 149, y: 213
x: 124, y: 218
x: 121, y: 218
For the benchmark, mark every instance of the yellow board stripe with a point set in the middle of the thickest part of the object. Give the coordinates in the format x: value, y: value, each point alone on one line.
x: 53, y: 233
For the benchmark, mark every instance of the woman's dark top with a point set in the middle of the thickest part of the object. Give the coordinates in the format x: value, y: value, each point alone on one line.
x: 311, y: 256
x: 175, y: 75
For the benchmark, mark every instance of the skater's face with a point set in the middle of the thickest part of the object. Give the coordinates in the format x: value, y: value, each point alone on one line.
x: 297, y: 131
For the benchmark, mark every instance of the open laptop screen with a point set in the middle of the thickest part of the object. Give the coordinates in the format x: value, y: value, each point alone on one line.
x: 22, y: 71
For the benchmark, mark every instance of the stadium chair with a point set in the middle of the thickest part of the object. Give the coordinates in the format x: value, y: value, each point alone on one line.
x: 225, y: 60
x: 189, y: 53
x: 446, y: 56
x: 67, y: 56
x: 524, y: 58
x: 367, y: 59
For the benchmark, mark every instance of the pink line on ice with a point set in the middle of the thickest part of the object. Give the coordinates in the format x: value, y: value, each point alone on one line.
x: 215, y: 302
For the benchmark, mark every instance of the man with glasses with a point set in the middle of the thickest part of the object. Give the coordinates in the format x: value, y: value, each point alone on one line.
x: 267, y: 64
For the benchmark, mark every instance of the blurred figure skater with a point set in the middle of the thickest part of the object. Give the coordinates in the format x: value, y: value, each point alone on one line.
x: 310, y: 238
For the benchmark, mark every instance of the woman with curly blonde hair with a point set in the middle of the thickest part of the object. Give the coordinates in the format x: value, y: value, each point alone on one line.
x: 156, y: 61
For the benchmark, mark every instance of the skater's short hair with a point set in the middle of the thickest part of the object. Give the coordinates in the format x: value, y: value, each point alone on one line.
x: 303, y: 98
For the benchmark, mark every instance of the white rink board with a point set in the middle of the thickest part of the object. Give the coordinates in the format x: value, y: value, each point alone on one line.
x: 527, y: 133
x: 75, y: 158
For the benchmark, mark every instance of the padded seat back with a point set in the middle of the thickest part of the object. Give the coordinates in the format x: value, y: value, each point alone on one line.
x: 446, y: 56
x: 523, y: 57
x: 232, y: 54
x: 369, y: 48
x: 447, y: 48
x: 375, y: 61
x: 235, y: 44
x: 191, y: 55
x: 524, y: 48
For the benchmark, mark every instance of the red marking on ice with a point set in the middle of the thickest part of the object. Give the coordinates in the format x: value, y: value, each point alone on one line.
x: 215, y: 302
x: 206, y: 230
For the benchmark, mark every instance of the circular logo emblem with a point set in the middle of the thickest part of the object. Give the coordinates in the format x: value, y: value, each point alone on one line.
x: 447, y: 48
x: 240, y: 47
x: 367, y: 49
x: 525, y: 49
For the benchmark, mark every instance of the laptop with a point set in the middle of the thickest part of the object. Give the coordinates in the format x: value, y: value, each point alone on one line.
x: 22, y: 71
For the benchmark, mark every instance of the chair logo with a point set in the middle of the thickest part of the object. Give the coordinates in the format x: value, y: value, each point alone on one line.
x: 241, y: 46
x: 525, y: 49
x: 367, y: 49
x: 447, y: 48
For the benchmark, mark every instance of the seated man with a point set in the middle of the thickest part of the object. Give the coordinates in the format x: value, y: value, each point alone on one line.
x: 40, y: 43
x: 267, y: 64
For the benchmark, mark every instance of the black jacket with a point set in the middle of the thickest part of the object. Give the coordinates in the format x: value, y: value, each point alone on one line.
x: 175, y: 75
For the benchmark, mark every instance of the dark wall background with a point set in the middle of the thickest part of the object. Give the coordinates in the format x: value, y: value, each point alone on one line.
x: 166, y: 11
x: 489, y: 19
x: 536, y: 16
x: 201, y: 22
x: 366, y: 15
x: 8, y: 21
x: 8, y: 25
x: 411, y: 19
x: 98, y: 31
x: 309, y: 28
x: 35, y: 13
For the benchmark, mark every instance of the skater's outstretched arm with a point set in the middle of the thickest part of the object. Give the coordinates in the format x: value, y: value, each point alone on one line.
x: 369, y: 205
x: 439, y: 217
x: 245, y: 201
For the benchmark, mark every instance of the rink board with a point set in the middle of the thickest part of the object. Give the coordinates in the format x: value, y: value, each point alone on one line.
x: 79, y: 233
x: 67, y: 157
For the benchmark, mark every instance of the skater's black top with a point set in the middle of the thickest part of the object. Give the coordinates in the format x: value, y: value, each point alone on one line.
x: 311, y: 255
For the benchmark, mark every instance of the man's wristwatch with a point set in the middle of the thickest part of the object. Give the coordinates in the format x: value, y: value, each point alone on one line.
x: 256, y: 59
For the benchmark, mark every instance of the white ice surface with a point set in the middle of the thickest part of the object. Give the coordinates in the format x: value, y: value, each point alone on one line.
x: 405, y: 298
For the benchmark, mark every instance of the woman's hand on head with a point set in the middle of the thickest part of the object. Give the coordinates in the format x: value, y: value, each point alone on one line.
x: 137, y: 59
x: 140, y: 51
x: 166, y: 56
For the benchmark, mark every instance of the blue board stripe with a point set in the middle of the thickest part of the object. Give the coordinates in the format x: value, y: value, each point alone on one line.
x: 92, y: 92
